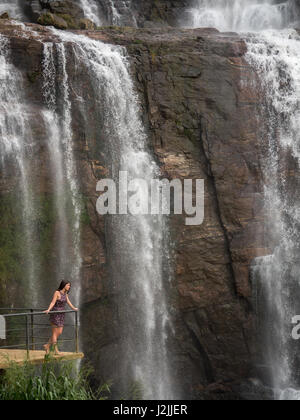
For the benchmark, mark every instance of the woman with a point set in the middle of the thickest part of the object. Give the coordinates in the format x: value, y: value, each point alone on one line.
x: 58, y: 303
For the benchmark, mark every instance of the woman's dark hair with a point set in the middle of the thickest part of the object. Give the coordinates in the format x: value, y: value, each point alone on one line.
x: 63, y: 285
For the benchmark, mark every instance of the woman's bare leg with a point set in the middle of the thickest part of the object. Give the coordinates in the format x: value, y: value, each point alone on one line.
x: 58, y: 334
x: 52, y: 340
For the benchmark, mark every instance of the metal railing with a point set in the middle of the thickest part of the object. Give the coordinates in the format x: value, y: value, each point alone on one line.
x: 23, y: 326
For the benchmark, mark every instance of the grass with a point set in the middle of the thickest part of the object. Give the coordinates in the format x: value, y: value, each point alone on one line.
x: 53, y: 381
x: 135, y: 392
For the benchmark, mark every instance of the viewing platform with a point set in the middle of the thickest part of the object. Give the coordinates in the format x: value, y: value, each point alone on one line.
x: 23, y: 334
x: 35, y: 357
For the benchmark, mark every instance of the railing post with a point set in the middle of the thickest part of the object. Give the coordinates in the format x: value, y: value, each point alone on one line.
x: 32, y: 329
x: 30, y: 343
x: 27, y: 336
x: 76, y: 333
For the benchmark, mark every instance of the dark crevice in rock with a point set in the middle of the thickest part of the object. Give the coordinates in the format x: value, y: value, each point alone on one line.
x: 97, y: 229
x: 206, y: 152
x: 204, y: 363
x: 246, y: 341
x: 213, y: 329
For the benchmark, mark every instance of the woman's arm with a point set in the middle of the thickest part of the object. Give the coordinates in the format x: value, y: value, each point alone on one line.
x: 55, y: 297
x: 70, y: 304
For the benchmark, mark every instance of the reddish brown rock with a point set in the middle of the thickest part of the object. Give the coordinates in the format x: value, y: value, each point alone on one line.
x: 200, y: 121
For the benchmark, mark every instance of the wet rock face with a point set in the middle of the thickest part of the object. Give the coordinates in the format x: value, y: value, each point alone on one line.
x: 148, y: 13
x: 134, y: 13
x: 153, y: 13
x: 65, y: 14
x: 201, y: 117
x: 198, y: 107
x: 63, y: 7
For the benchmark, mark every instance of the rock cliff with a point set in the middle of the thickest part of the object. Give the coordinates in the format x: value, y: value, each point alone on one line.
x: 65, y: 14
x: 198, y: 106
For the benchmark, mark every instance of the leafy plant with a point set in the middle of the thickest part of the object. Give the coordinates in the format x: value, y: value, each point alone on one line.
x: 135, y: 391
x: 52, y: 381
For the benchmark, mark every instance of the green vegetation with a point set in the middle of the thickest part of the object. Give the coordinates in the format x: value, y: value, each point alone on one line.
x: 12, y: 241
x: 33, y: 76
x: 70, y: 21
x: 153, y: 55
x: 53, y: 381
x: 84, y: 213
x: 137, y: 41
x: 135, y: 392
x: 46, y: 19
x: 43, y: 221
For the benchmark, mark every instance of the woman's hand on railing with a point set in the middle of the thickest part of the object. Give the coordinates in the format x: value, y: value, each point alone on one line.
x: 46, y: 312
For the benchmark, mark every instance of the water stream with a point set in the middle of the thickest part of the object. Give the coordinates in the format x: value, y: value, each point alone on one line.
x: 137, y: 244
x: 273, y: 50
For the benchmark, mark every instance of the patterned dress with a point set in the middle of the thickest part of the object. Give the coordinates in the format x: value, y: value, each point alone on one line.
x: 59, y: 319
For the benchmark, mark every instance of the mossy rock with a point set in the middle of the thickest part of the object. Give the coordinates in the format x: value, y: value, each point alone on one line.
x: 4, y: 15
x: 87, y: 24
x: 67, y: 7
x: 33, y: 76
x: 49, y: 19
x: 71, y: 22
x: 65, y: 21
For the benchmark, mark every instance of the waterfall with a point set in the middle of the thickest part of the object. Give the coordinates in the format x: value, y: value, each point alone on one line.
x: 137, y: 245
x: 116, y: 12
x: 16, y: 146
x: 12, y: 7
x: 276, y: 57
x: 91, y: 11
x: 243, y: 15
x: 58, y: 123
x: 273, y: 50
x: 120, y: 13
x: 18, y: 143
x: 113, y: 13
x: 55, y: 152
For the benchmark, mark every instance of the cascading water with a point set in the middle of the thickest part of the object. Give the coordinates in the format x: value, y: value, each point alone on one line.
x: 91, y: 11
x: 112, y: 12
x: 120, y: 13
x: 243, y: 15
x: 18, y: 143
x: 276, y: 57
x: 58, y: 123
x: 14, y: 131
x: 12, y: 7
x: 137, y: 248
x: 273, y: 51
